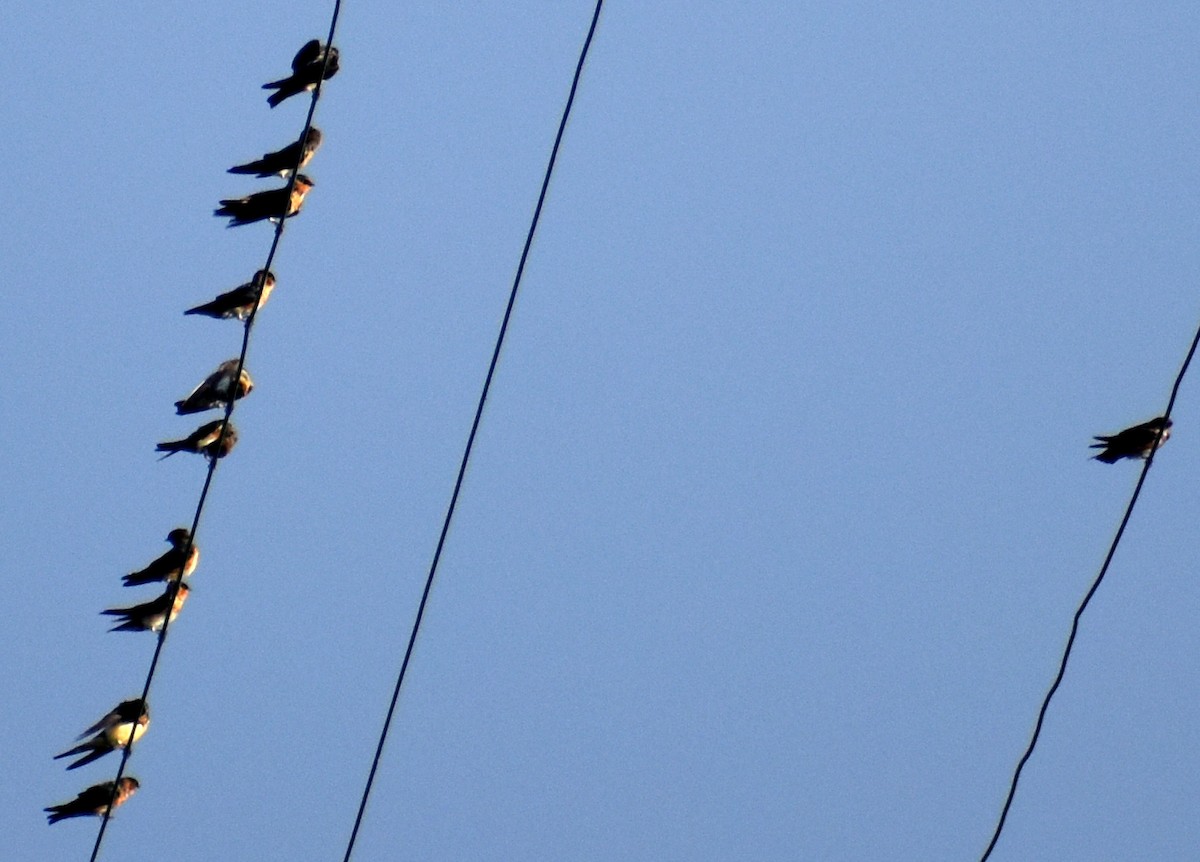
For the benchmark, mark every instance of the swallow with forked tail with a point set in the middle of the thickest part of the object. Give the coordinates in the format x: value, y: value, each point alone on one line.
x: 1136, y: 442
x: 272, y: 204
x: 149, y: 616
x: 170, y: 565
x: 94, y: 801
x: 240, y: 301
x: 217, y: 389
x: 283, y: 162
x: 206, y: 440
x: 307, y: 68
x: 124, y: 725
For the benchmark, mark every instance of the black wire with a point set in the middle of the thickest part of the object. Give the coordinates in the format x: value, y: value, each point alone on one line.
x: 173, y: 588
x: 462, y: 467
x: 1112, y: 550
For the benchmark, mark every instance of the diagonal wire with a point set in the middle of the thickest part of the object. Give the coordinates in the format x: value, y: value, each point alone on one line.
x: 173, y: 589
x: 466, y: 457
x: 1112, y: 550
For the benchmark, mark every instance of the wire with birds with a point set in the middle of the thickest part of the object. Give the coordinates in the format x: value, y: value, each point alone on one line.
x: 122, y: 727
x: 1140, y: 441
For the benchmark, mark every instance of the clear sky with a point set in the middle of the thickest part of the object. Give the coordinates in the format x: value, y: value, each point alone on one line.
x: 781, y: 503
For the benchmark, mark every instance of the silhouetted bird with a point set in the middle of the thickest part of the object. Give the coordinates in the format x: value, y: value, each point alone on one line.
x: 168, y: 566
x: 128, y: 720
x: 283, y: 162
x: 272, y: 204
x: 94, y: 801
x: 149, y: 616
x: 306, y: 71
x: 239, y: 302
x: 1136, y: 442
x: 216, y: 389
x: 205, y: 440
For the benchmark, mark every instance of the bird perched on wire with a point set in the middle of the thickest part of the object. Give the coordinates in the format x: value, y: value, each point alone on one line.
x: 125, y: 724
x: 149, y: 616
x: 94, y: 801
x: 217, y: 389
x: 307, y: 66
x: 170, y: 565
x: 283, y: 162
x: 1136, y: 442
x: 206, y: 440
x: 272, y: 204
x: 240, y: 301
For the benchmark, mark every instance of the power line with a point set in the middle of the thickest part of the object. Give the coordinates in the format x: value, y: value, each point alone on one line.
x: 174, y: 585
x: 466, y: 457
x: 1112, y: 550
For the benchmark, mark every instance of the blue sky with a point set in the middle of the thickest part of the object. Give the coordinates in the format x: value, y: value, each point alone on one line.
x: 781, y: 504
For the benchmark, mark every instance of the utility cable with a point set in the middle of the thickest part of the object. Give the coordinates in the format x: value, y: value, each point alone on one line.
x: 173, y: 588
x: 466, y: 457
x: 1112, y: 550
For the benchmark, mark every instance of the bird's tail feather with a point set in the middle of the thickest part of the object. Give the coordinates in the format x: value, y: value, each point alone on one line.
x: 283, y: 93
x: 79, y: 749
x: 96, y: 754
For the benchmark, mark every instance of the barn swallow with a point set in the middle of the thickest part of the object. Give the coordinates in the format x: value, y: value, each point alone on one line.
x: 1136, y: 442
x: 265, y: 205
x: 203, y: 441
x: 215, y: 390
x: 239, y: 302
x: 168, y: 566
x: 307, y: 66
x: 94, y: 801
x: 149, y: 616
x: 283, y: 162
x: 128, y: 720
